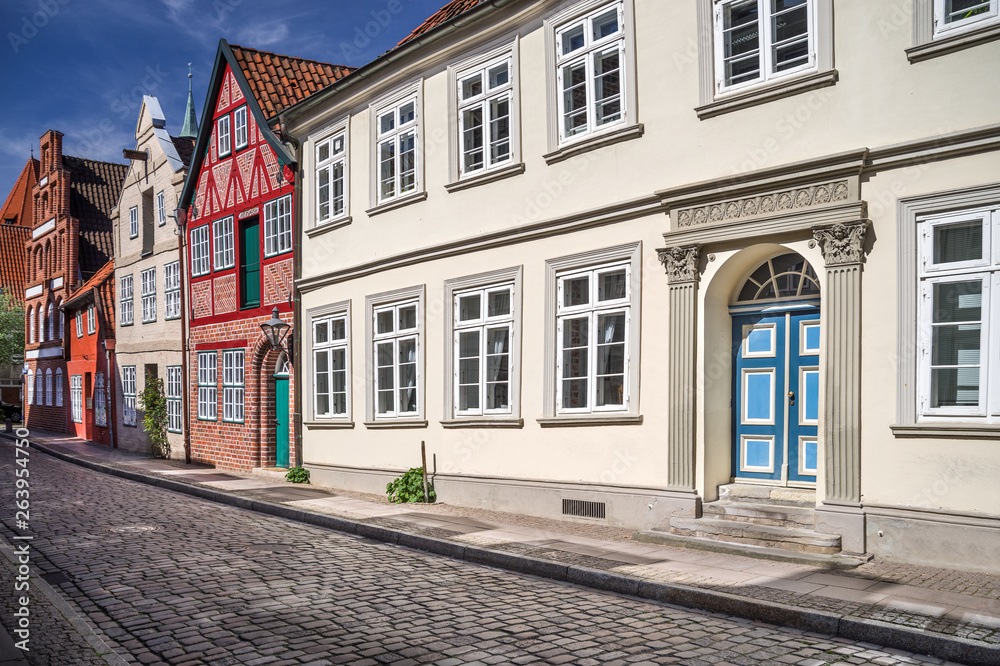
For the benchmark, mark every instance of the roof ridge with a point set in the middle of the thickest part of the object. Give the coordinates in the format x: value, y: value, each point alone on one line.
x: 87, y: 159
x: 282, y: 55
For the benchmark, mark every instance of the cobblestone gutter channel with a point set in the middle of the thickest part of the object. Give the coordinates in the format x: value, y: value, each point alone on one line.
x: 857, y: 622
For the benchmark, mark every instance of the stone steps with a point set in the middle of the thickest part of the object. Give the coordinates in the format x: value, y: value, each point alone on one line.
x: 771, y: 495
x: 768, y: 536
x: 779, y: 515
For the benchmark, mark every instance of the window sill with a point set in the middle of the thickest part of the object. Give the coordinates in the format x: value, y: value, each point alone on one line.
x: 395, y: 423
x: 330, y: 424
x: 943, y: 429
x: 321, y: 229
x: 146, y: 253
x: 767, y: 93
x: 396, y: 203
x: 594, y: 142
x: 589, y: 420
x: 486, y: 177
x: 483, y: 422
x: 950, y: 44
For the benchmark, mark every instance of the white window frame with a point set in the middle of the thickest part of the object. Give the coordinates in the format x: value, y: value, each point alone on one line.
x: 172, y: 290
x: 394, y: 301
x: 326, y: 317
x: 278, y: 226
x: 943, y: 29
x: 337, y: 145
x: 59, y: 387
x: 765, y: 57
x: 51, y: 317
x: 222, y: 125
x: 91, y: 319
x: 175, y: 397
x: 201, y: 257
x: 481, y: 67
x: 240, y: 128
x: 929, y: 274
x: 32, y: 325
x: 100, y: 401
x: 133, y: 222
x: 79, y: 323
x: 125, y: 303
x: 30, y: 385
x: 129, y: 392
x: 40, y: 387
x: 161, y: 209
x: 483, y: 283
x: 627, y: 256
x: 76, y: 398
x: 223, y: 244
x: 147, y: 279
x: 393, y: 103
x: 233, y: 385
x: 48, y: 387
x: 208, y: 397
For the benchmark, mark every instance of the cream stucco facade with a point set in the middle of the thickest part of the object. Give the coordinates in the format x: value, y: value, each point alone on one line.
x: 149, y: 281
x: 841, y: 162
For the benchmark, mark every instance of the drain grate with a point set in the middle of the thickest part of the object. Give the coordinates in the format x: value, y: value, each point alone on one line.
x: 583, y: 508
x: 132, y: 529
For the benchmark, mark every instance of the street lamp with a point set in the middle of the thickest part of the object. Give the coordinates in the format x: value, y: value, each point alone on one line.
x: 275, y: 331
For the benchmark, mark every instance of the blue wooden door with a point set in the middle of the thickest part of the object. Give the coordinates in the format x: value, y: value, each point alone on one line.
x: 281, y: 420
x: 775, y: 409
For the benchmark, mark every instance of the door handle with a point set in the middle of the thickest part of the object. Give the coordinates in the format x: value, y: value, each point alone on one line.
x: 791, y: 397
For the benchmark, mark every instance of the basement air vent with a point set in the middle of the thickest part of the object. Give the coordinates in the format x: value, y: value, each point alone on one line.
x: 583, y: 508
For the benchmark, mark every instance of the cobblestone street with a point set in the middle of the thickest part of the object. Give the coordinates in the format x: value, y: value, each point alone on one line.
x: 171, y: 579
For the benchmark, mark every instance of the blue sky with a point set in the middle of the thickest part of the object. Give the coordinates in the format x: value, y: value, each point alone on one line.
x: 82, y: 66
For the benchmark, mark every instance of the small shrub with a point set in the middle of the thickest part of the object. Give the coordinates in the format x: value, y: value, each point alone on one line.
x: 153, y: 403
x: 409, y: 487
x: 297, y: 475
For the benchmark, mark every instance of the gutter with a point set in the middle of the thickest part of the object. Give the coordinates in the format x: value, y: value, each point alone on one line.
x: 185, y: 341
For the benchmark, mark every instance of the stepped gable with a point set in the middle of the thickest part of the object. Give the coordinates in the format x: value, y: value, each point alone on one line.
x: 12, y: 257
x: 94, y: 191
x: 18, y: 206
x: 185, y: 149
x: 280, y: 81
x: 443, y: 15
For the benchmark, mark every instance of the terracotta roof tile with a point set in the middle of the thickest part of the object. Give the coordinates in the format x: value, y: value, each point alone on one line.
x: 446, y: 13
x: 94, y: 190
x: 19, y: 204
x: 83, y: 291
x: 13, y: 238
x: 279, y: 81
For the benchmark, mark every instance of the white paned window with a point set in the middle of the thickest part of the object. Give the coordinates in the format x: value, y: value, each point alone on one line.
x: 52, y: 321
x: 223, y: 243
x: 593, y: 313
x: 100, y: 401
x: 207, y: 390
x: 148, y: 282
x: 200, y: 264
x: 133, y: 222
x: 76, y: 398
x: 232, y: 385
x: 174, y: 391
x: 952, y: 16
x: 396, y: 149
x: 125, y: 301
x: 91, y: 319
x: 161, y: 209
x: 240, y: 128
x: 59, y: 387
x: 172, y: 290
x: 331, y: 178
x: 79, y: 323
x: 40, y: 387
x: 128, y: 395
x: 223, y: 132
x: 30, y: 386
x: 483, y: 337
x: 330, y: 367
x: 32, y: 325
x: 590, y: 55
x: 762, y: 40
x: 395, y: 355
x: 958, y: 302
x: 484, y: 116
x: 278, y: 226
x: 48, y: 387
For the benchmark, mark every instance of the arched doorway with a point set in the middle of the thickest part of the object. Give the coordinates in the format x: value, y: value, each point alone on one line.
x: 775, y: 379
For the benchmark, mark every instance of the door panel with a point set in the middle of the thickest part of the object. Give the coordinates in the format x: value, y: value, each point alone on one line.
x: 250, y: 264
x: 803, y: 373
x: 281, y: 420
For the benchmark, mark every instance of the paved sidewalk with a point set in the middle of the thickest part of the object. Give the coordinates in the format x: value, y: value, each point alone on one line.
x: 937, y: 611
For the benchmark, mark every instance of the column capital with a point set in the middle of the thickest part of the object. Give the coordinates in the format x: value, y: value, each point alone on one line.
x: 680, y: 263
x: 842, y: 243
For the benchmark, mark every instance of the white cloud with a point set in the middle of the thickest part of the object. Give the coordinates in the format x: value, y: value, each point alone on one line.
x: 262, y: 35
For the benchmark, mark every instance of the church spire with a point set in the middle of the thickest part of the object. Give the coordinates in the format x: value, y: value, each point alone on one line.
x: 190, y: 129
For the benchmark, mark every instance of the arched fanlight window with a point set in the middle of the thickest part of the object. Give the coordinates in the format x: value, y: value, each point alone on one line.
x: 282, y: 366
x: 784, y: 276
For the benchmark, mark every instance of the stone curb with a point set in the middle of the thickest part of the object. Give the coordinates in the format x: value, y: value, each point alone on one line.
x: 951, y: 648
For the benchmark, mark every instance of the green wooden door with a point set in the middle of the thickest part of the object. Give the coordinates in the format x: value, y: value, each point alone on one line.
x: 250, y: 264
x: 281, y: 420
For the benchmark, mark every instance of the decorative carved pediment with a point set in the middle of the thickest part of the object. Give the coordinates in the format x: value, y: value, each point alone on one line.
x: 680, y: 263
x: 842, y: 243
x: 771, y: 203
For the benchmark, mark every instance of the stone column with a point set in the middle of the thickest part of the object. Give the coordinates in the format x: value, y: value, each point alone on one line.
x: 841, y: 513
x: 681, y: 264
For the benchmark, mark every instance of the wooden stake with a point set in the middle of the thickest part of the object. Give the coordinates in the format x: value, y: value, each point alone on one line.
x: 423, y: 468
